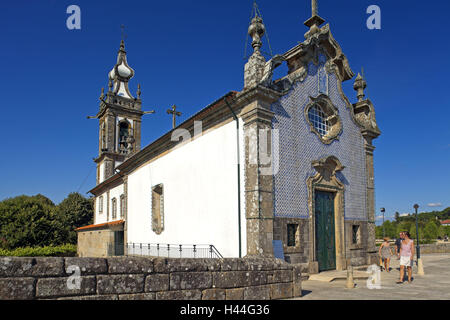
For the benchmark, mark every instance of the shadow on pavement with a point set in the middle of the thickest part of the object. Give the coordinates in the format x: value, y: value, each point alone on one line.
x: 305, y: 292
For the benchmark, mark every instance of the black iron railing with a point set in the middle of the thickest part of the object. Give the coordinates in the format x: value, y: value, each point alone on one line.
x: 173, y: 250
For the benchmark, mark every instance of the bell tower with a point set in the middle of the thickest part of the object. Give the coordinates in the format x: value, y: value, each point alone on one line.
x: 120, y: 117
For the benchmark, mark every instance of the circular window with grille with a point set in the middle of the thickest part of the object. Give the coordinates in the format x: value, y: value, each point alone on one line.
x: 323, y: 119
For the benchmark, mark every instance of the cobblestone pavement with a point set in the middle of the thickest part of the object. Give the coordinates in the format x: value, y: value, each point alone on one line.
x: 434, y: 285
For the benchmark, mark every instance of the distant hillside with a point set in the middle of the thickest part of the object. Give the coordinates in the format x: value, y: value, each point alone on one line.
x: 430, y: 227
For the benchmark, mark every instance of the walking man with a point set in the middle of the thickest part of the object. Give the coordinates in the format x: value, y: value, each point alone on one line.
x: 398, y: 244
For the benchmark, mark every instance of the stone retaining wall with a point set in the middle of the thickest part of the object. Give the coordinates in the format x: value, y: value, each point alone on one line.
x: 140, y: 278
x: 435, y: 248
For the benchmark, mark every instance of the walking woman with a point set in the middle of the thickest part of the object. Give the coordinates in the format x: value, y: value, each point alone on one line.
x: 385, y: 253
x: 406, y: 256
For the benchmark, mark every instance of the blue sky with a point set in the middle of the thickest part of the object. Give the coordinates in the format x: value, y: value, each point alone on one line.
x: 190, y: 53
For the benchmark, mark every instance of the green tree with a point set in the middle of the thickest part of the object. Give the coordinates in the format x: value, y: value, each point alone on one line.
x: 73, y: 212
x: 447, y: 231
x: 403, y: 226
x: 26, y: 221
x: 431, y: 231
x: 35, y: 221
x: 389, y: 230
x: 379, y: 232
x: 413, y: 232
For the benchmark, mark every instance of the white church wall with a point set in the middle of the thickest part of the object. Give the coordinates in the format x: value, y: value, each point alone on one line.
x: 200, y: 194
x: 100, y: 216
x: 103, y: 217
x: 115, y: 193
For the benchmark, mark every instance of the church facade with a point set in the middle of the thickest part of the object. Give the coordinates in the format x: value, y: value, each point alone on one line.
x: 284, y: 162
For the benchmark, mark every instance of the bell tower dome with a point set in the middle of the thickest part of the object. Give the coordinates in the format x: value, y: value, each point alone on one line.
x: 120, y: 117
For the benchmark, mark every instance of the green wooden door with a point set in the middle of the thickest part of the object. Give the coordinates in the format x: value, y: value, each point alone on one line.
x: 118, y: 243
x: 325, y: 231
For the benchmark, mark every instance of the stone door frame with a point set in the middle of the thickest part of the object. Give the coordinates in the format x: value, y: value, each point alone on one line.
x: 325, y: 180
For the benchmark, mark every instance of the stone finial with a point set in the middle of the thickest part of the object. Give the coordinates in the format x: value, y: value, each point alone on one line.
x: 254, y: 68
x: 138, y: 93
x: 256, y: 30
x: 315, y: 21
x: 359, y: 86
x: 102, y: 95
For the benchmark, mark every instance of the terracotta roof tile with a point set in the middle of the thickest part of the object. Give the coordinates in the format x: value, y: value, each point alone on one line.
x: 107, y: 224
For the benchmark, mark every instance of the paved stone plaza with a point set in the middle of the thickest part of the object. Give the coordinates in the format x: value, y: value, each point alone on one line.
x: 434, y: 285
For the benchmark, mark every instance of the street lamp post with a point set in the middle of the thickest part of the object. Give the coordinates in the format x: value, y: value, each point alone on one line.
x: 416, y: 206
x: 420, y: 270
x: 382, y: 211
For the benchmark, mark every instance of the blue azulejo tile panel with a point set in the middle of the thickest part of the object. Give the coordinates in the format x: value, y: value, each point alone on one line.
x: 299, y: 147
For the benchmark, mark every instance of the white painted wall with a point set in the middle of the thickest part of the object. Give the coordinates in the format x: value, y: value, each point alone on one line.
x: 200, y: 194
x: 103, y: 217
x: 100, y: 217
x: 115, y: 193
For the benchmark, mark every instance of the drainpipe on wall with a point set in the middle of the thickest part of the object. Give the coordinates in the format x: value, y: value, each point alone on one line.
x: 238, y: 176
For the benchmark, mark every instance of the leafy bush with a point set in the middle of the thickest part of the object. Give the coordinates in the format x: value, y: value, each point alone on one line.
x: 66, y: 250
x: 37, y: 222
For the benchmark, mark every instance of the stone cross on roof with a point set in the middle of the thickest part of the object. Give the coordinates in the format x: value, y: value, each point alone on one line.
x: 123, y: 35
x: 173, y: 111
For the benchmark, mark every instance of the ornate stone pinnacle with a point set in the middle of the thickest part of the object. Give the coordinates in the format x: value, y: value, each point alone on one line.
x: 315, y: 21
x: 359, y: 85
x: 256, y: 30
x: 138, y: 93
x: 102, y: 95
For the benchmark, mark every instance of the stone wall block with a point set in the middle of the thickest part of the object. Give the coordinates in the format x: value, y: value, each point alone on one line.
x: 257, y: 278
x: 157, y: 282
x: 88, y: 266
x: 164, y: 265
x: 234, y: 264
x: 60, y: 287
x: 234, y: 294
x: 257, y: 293
x: 93, y: 297
x: 113, y: 284
x: 125, y: 265
x: 179, y: 295
x: 138, y: 296
x: 259, y: 264
x: 231, y: 279
x: 281, y: 290
x: 213, y: 294
x: 24, y: 267
x: 190, y: 280
x: 277, y: 276
x: 17, y: 288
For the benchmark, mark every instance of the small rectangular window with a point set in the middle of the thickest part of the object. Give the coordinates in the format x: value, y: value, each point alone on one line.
x: 292, y: 235
x: 158, y: 209
x: 355, y: 234
x: 114, y: 208
x: 122, y: 206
